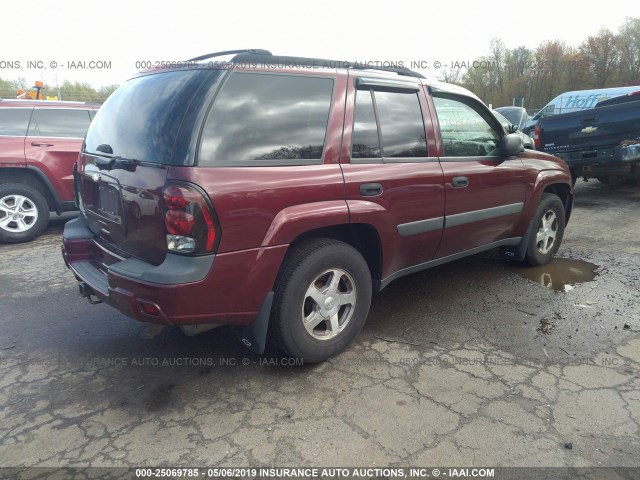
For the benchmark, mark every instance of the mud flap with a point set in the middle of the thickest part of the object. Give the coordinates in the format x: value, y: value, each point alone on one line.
x: 517, y: 252
x: 254, y: 336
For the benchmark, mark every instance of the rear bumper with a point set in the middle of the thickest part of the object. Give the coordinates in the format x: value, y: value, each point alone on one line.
x: 226, y: 288
x: 619, y: 160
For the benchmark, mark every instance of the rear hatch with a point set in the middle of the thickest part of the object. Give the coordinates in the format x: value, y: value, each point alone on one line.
x: 146, y: 126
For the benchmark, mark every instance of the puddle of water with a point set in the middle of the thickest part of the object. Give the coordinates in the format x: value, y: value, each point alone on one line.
x: 561, y: 274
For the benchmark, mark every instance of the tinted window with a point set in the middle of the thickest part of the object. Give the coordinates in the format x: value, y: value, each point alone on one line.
x: 267, y: 118
x: 14, y: 121
x: 142, y: 118
x: 401, y: 125
x: 515, y: 116
x: 365, y: 142
x: 60, y: 123
x: 465, y: 133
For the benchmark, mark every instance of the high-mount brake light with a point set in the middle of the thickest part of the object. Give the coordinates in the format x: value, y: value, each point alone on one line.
x: 189, y: 220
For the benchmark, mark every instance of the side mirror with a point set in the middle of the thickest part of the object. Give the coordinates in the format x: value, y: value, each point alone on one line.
x: 511, y: 145
x: 511, y: 128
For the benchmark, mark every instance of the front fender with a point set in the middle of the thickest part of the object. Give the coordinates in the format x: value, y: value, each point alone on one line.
x: 552, y: 179
x: 543, y: 180
x: 293, y: 221
x: 547, y: 178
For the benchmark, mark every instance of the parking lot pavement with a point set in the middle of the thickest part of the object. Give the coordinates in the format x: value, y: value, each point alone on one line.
x: 465, y: 364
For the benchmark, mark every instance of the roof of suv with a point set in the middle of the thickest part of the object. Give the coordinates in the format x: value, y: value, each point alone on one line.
x: 254, y: 58
x: 42, y: 103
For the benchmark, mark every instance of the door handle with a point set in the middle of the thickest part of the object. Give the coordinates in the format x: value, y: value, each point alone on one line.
x: 460, y: 182
x: 370, y: 189
x: 35, y: 144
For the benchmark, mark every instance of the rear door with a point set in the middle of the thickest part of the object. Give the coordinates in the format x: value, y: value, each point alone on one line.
x: 13, y: 129
x: 484, y: 193
x: 53, y: 144
x: 393, y: 179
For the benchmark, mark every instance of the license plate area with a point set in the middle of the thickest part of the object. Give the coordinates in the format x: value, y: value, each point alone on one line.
x: 109, y: 202
x: 102, y: 198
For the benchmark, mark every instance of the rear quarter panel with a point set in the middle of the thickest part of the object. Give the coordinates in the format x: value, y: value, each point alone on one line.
x: 267, y: 206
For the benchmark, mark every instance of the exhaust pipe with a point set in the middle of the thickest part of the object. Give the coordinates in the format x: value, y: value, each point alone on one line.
x: 191, y: 330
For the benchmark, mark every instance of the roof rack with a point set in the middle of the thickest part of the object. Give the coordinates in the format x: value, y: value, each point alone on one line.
x: 261, y: 56
x: 265, y: 57
x: 230, y: 52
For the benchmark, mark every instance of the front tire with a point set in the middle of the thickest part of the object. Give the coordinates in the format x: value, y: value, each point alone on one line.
x: 24, y: 213
x: 322, y: 298
x: 546, y: 236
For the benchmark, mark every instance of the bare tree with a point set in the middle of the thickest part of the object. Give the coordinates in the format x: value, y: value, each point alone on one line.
x: 628, y: 40
x: 451, y: 75
x: 601, y: 56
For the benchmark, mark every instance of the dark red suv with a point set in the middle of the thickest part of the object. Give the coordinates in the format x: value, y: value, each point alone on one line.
x: 39, y: 144
x: 276, y: 194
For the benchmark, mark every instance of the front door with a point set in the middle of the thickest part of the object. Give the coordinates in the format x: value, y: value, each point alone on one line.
x: 484, y: 193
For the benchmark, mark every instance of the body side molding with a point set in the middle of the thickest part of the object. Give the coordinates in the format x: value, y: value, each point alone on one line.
x: 439, y: 261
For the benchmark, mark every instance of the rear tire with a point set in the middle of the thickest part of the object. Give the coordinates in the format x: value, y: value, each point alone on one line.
x: 546, y: 236
x: 322, y: 298
x: 24, y: 213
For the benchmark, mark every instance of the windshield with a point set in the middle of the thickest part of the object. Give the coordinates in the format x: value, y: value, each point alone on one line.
x: 502, y: 119
x: 142, y: 119
x: 512, y: 114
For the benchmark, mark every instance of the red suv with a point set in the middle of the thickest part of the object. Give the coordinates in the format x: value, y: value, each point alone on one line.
x: 39, y: 144
x: 276, y: 194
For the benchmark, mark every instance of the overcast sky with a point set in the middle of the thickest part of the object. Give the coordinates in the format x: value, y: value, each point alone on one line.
x: 124, y: 32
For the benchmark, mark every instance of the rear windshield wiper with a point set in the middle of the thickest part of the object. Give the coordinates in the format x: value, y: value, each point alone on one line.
x: 117, y: 162
x: 114, y: 161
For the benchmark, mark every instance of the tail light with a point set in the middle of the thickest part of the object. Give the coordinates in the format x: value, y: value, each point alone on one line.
x: 537, y: 141
x: 189, y: 219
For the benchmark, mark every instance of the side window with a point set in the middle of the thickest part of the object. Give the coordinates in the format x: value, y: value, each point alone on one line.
x: 365, y: 141
x: 14, y: 121
x: 401, y: 126
x: 465, y: 133
x: 262, y: 119
x: 60, y: 123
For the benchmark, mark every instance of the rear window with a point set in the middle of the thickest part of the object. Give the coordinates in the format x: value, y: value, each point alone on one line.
x: 142, y: 118
x: 14, y: 121
x: 267, y: 119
